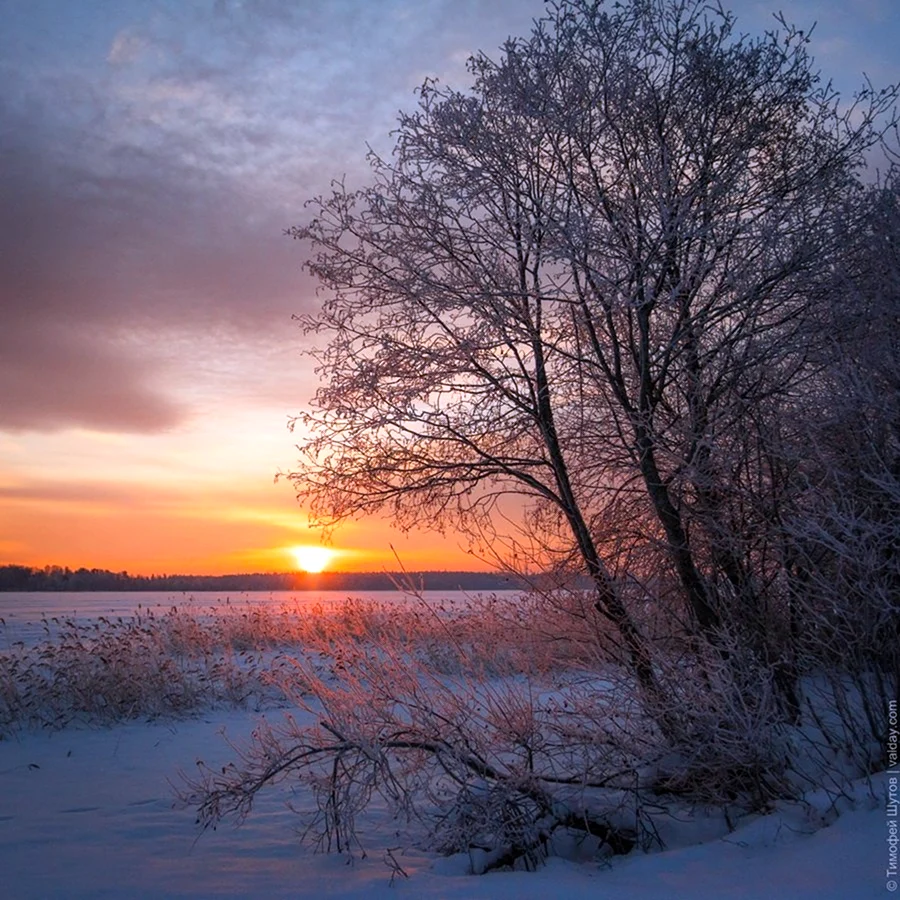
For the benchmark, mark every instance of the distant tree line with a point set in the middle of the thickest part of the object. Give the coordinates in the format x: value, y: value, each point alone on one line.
x: 59, y: 578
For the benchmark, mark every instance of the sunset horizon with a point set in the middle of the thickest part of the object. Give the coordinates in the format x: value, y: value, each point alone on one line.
x: 279, y: 560
x: 449, y: 449
x: 149, y: 362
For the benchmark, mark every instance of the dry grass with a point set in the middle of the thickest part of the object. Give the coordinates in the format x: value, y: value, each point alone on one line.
x: 142, y: 667
x: 189, y: 658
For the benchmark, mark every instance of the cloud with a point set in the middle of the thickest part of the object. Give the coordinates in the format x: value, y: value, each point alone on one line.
x: 233, y: 501
x: 133, y: 252
x: 82, y: 493
x: 148, y: 167
x: 53, y: 378
x: 125, y: 48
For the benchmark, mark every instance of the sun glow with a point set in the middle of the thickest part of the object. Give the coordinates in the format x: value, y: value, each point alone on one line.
x: 312, y: 558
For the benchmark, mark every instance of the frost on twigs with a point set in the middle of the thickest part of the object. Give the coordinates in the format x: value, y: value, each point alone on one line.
x: 506, y: 747
x: 484, y: 765
x: 625, y: 311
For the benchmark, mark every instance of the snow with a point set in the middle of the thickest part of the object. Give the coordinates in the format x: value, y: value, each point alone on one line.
x: 90, y: 813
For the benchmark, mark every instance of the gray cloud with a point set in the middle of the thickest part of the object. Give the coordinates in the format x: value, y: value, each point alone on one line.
x: 150, y: 158
x: 55, y: 377
x: 151, y: 155
x: 146, y: 247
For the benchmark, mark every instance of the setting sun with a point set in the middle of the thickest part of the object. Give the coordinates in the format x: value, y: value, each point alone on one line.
x: 311, y: 558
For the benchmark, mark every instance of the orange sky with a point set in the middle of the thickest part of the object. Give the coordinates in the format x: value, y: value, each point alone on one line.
x: 179, y: 513
x: 148, y: 359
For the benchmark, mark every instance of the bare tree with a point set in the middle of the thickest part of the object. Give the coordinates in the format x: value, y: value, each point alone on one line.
x: 843, y: 529
x: 594, y: 299
x: 584, y: 283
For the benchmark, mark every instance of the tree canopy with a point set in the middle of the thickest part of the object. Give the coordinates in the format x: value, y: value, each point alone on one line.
x: 596, y: 281
x: 627, y: 307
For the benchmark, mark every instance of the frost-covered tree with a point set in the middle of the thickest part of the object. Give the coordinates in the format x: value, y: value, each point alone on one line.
x: 611, y: 298
x: 586, y: 282
x: 842, y: 530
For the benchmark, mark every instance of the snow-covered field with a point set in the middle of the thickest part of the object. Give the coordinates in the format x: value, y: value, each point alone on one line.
x: 90, y: 811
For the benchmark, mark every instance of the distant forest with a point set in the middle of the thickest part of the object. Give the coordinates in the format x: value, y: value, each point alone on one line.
x: 58, y: 578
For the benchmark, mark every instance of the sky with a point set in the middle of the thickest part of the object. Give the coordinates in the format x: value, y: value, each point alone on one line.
x: 152, y: 153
